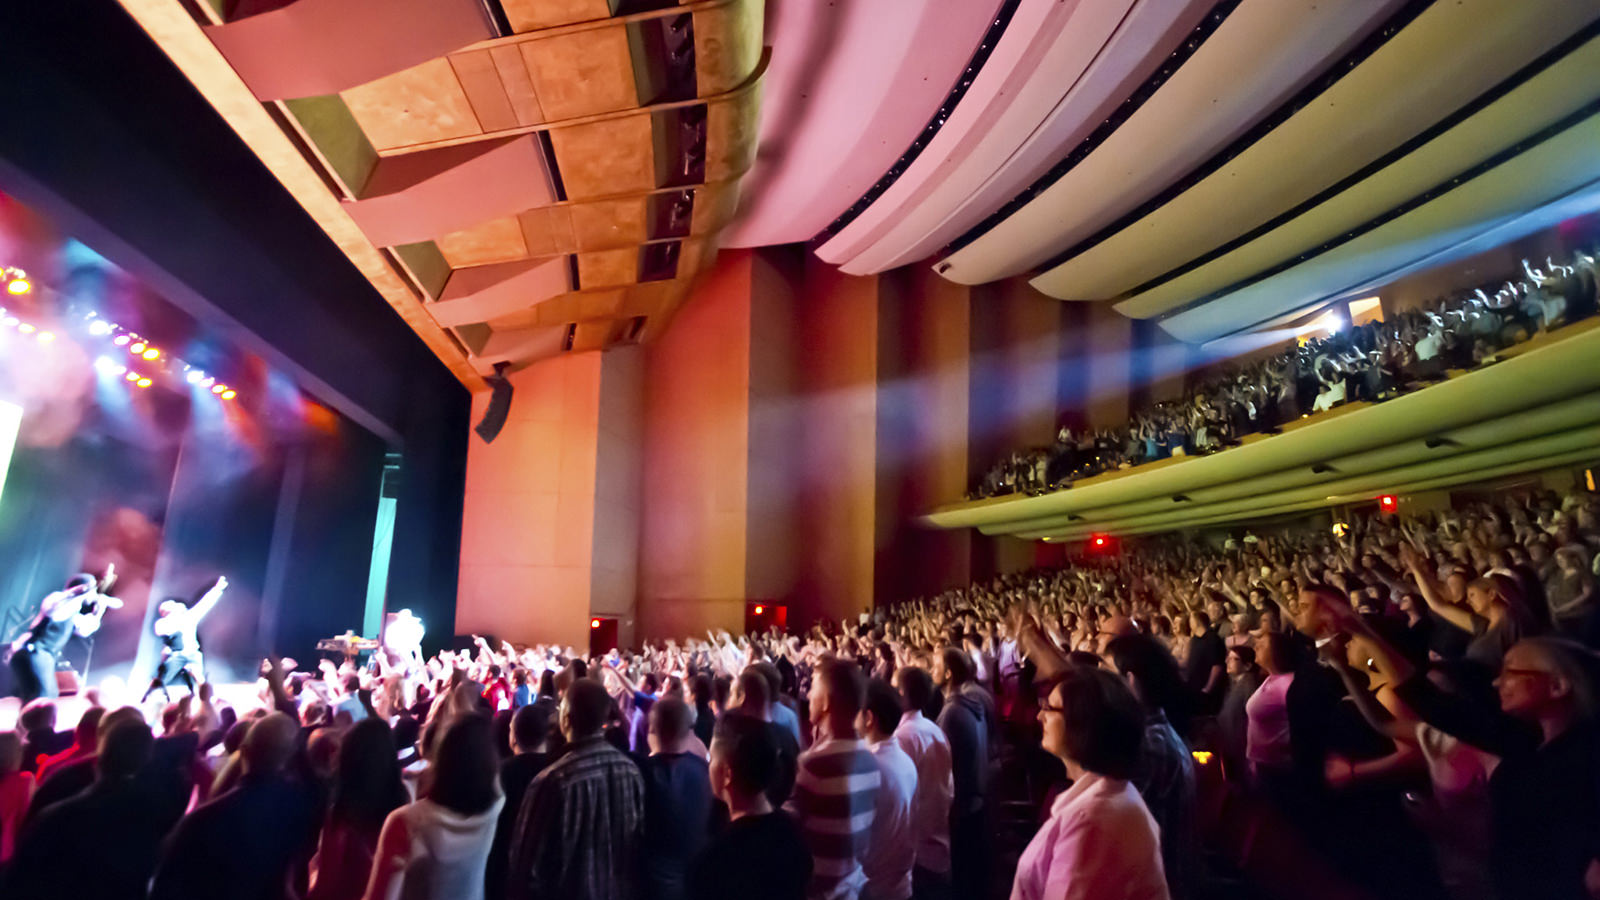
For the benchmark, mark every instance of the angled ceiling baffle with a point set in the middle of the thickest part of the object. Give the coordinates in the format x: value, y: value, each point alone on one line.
x: 518, y: 178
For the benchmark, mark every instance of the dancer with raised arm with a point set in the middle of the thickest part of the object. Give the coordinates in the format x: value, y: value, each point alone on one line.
x: 75, y: 609
x: 177, y: 625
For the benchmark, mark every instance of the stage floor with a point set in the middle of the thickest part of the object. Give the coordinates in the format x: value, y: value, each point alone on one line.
x: 242, y: 696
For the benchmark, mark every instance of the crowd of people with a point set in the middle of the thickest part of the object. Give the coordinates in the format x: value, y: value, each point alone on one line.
x: 1370, y: 362
x: 1411, y: 704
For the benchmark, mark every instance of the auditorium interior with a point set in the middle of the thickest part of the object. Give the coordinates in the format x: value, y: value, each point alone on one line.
x: 602, y: 323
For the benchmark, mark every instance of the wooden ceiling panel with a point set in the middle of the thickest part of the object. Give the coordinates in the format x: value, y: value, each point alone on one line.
x: 547, y: 231
x: 495, y: 241
x: 422, y: 103
x: 600, y: 159
x: 731, y: 130
x: 513, y: 70
x: 727, y: 46
x: 714, y: 207
x: 696, y: 254
x: 609, y: 224
x: 530, y: 15
x: 582, y: 73
x: 480, y: 79
x: 593, y: 335
x: 608, y: 268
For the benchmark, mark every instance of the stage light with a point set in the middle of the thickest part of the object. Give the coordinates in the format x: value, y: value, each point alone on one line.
x: 1388, y: 503
x: 137, y: 347
x: 228, y: 395
x: 144, y: 382
x: 19, y: 286
x: 10, y: 321
x: 594, y: 623
x: 1099, y: 542
x: 218, y: 388
x: 109, y: 366
x: 195, y: 375
x: 760, y: 610
x: 99, y: 327
x: 133, y: 376
x: 1203, y: 757
x: 151, y: 353
x: 120, y: 340
x: 25, y: 328
x: 46, y: 337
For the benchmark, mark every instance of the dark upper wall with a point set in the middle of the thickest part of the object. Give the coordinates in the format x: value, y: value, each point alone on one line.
x: 104, y: 136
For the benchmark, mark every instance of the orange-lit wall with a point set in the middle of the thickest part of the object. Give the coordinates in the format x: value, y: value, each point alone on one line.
x: 775, y: 444
x: 696, y: 418
x: 527, y: 531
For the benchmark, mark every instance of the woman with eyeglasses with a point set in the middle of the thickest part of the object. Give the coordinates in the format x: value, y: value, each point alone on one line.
x: 1100, y: 840
x: 1544, y: 794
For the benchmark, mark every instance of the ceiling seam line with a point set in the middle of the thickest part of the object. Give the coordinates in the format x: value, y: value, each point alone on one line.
x: 1517, y: 79
x: 1321, y: 84
x: 1439, y: 189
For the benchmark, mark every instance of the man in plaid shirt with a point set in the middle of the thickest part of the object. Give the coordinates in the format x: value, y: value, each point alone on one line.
x: 581, y: 819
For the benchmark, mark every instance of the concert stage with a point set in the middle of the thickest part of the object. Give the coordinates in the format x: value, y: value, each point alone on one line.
x: 242, y: 696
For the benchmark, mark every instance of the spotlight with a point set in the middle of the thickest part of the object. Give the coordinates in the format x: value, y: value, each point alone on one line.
x: 143, y: 382
x: 151, y: 353
x: 207, y: 381
x: 99, y: 327
x: 25, y: 328
x: 218, y: 388
x: 46, y: 337
x: 10, y: 321
x: 195, y: 375
x: 760, y: 610
x: 594, y: 623
x: 19, y: 286
x: 137, y: 347
x: 109, y: 366
x: 120, y: 340
x: 228, y: 395
x: 133, y: 376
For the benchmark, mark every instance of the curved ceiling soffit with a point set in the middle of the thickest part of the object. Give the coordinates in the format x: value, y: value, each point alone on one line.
x: 1058, y: 71
x: 849, y: 86
x: 1543, y: 93
x: 1202, y: 106
x: 1476, y: 51
x: 1554, y: 173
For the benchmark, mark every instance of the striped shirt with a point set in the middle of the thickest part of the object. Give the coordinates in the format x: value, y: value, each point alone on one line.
x: 835, y: 793
x: 579, y: 828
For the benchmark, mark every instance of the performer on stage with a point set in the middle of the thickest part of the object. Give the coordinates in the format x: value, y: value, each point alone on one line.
x: 75, y: 609
x: 180, y: 644
x: 402, y: 642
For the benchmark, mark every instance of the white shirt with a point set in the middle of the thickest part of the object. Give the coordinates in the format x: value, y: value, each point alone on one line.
x: 448, y: 851
x: 1100, y: 844
x: 891, y: 852
x: 929, y: 750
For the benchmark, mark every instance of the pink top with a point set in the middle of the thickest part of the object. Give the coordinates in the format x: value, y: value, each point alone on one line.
x: 1267, y: 729
x: 1100, y: 844
x: 16, y: 788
